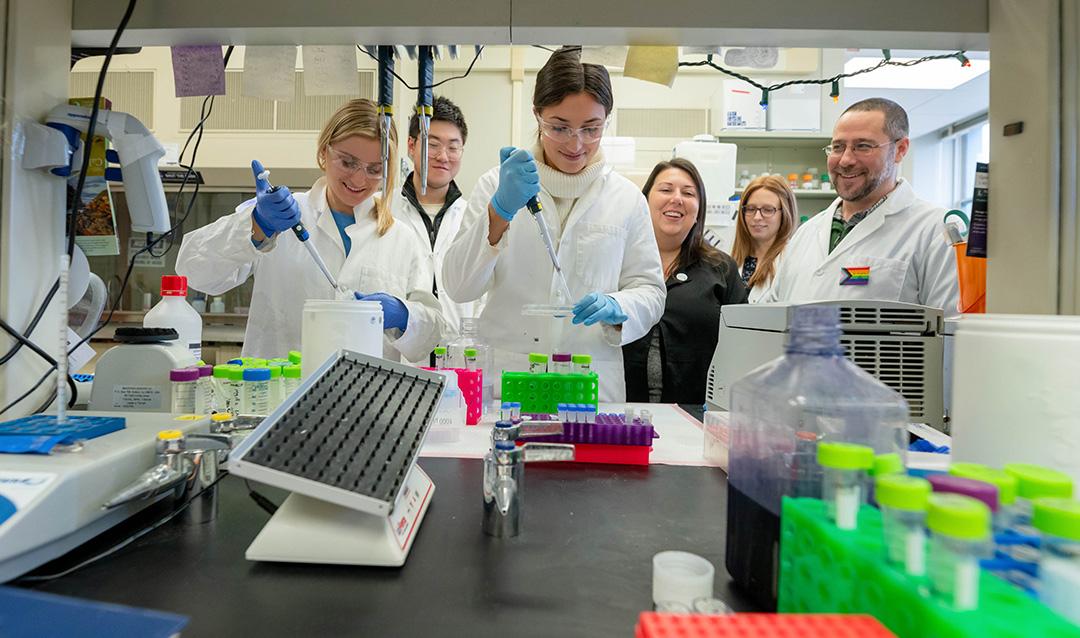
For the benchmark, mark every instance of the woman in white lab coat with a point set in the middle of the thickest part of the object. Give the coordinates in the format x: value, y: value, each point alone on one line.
x: 767, y: 214
x: 599, y: 222
x: 354, y: 231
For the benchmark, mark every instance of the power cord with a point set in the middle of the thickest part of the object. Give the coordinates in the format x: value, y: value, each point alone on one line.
x: 124, y: 543
x: 268, y: 506
x: 476, y: 57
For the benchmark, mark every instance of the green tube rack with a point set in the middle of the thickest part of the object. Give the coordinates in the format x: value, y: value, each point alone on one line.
x: 543, y: 392
x: 827, y: 570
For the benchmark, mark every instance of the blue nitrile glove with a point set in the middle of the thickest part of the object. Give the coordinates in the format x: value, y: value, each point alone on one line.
x: 518, y: 182
x: 395, y: 313
x: 275, y: 210
x: 595, y: 307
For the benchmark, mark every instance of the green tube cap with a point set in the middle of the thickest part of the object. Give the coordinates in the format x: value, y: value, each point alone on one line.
x: 889, y: 463
x: 290, y: 372
x: 536, y: 357
x: 845, y: 456
x: 902, y: 492
x: 581, y: 358
x: 1057, y: 516
x: 470, y: 352
x: 958, y: 516
x: 1036, y: 481
x: 1005, y: 482
x: 294, y: 356
x: 440, y: 351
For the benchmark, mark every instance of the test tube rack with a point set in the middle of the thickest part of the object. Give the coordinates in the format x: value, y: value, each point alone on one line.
x: 471, y: 384
x: 827, y: 570
x: 543, y: 392
x: 609, y: 441
x: 660, y: 625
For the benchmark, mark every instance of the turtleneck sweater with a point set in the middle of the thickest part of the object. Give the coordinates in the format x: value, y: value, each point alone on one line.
x: 565, y: 189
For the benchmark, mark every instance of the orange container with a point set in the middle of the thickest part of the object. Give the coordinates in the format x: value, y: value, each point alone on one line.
x: 972, y: 274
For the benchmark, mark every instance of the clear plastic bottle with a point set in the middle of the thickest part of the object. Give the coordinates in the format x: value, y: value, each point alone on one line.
x: 204, y: 390
x: 560, y: 363
x: 744, y: 178
x: 221, y: 390
x: 470, y: 358
x: 234, y: 390
x: 184, y: 382
x: 217, y: 306
x: 257, y: 390
x: 1058, y: 521
x: 440, y: 357
x: 469, y: 337
x: 291, y: 377
x: 959, y: 537
x: 277, y: 387
x: 581, y: 363
x: 779, y: 412
x: 173, y: 311
x: 903, y: 500
x: 843, y: 486
x: 538, y: 363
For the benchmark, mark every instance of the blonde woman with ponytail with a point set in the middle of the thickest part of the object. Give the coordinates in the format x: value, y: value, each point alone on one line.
x: 353, y: 228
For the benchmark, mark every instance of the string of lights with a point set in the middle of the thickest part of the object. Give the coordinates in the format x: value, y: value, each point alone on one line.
x: 834, y: 81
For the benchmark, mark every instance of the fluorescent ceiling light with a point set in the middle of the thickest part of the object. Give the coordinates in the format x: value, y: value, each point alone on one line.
x: 940, y: 75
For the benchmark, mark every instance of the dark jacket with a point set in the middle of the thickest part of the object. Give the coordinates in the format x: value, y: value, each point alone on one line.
x: 688, y: 332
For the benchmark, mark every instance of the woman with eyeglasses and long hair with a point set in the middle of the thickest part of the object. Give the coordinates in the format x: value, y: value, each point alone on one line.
x: 670, y: 364
x: 353, y: 229
x: 767, y: 214
x: 599, y: 223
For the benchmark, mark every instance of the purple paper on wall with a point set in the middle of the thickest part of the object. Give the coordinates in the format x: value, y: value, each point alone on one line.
x: 198, y: 70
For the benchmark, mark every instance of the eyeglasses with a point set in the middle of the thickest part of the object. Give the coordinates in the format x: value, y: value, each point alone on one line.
x: 350, y: 165
x: 561, y: 133
x: 766, y: 211
x: 861, y: 149
x: 453, y: 151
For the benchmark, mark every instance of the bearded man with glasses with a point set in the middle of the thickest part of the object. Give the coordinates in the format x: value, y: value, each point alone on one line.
x: 877, y: 240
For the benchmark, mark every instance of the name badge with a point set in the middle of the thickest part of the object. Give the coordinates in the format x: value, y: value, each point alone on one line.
x: 855, y: 276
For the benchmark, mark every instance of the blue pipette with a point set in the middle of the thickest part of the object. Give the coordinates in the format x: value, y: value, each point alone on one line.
x: 303, y: 235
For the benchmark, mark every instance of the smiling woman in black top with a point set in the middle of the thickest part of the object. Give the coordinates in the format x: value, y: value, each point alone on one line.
x: 670, y: 364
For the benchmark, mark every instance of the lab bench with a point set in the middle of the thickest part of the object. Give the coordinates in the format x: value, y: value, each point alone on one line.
x: 582, y: 565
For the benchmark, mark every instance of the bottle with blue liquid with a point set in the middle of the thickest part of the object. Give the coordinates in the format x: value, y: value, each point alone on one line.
x: 780, y: 413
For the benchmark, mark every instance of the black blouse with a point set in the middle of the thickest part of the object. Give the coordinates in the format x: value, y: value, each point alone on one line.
x: 688, y: 332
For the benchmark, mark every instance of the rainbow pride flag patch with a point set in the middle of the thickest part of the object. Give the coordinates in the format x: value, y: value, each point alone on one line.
x: 855, y: 276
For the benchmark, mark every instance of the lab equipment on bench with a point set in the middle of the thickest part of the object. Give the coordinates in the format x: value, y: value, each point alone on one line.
x: 59, y: 497
x: 137, y: 152
x: 346, y: 445
x: 780, y: 414
x: 504, y: 471
x: 900, y: 344
x: 134, y: 376
x: 173, y: 311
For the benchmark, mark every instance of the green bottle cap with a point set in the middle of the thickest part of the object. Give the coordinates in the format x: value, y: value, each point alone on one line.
x: 1005, y: 483
x: 581, y: 358
x: 294, y: 356
x: 221, y: 371
x: 889, y: 463
x: 256, y: 363
x: 235, y: 373
x: 824, y: 178
x: 1036, y: 481
x: 470, y: 352
x: 845, y: 456
x: 291, y: 372
x: 536, y: 357
x: 1057, y: 516
x: 275, y: 372
x: 440, y: 351
x: 958, y: 516
x: 902, y: 492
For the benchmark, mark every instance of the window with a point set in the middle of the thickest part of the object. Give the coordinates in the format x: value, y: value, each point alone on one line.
x: 966, y: 146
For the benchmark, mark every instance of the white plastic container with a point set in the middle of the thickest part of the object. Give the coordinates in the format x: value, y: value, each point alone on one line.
x: 1017, y: 371
x: 330, y: 325
x: 290, y: 376
x: 217, y: 306
x: 173, y: 311
x: 681, y: 577
x: 257, y: 390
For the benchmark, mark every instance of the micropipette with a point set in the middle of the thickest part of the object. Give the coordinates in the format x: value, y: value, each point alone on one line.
x: 426, y: 67
x: 303, y: 236
x: 536, y: 209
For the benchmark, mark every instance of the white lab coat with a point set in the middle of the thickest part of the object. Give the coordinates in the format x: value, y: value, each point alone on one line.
x: 755, y: 294
x: 607, y: 246
x: 405, y: 212
x: 220, y: 256
x: 901, y: 242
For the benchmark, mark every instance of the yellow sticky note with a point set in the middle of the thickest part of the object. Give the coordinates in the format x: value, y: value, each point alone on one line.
x: 652, y: 64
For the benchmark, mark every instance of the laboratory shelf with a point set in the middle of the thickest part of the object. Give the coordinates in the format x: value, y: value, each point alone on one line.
x: 804, y: 192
